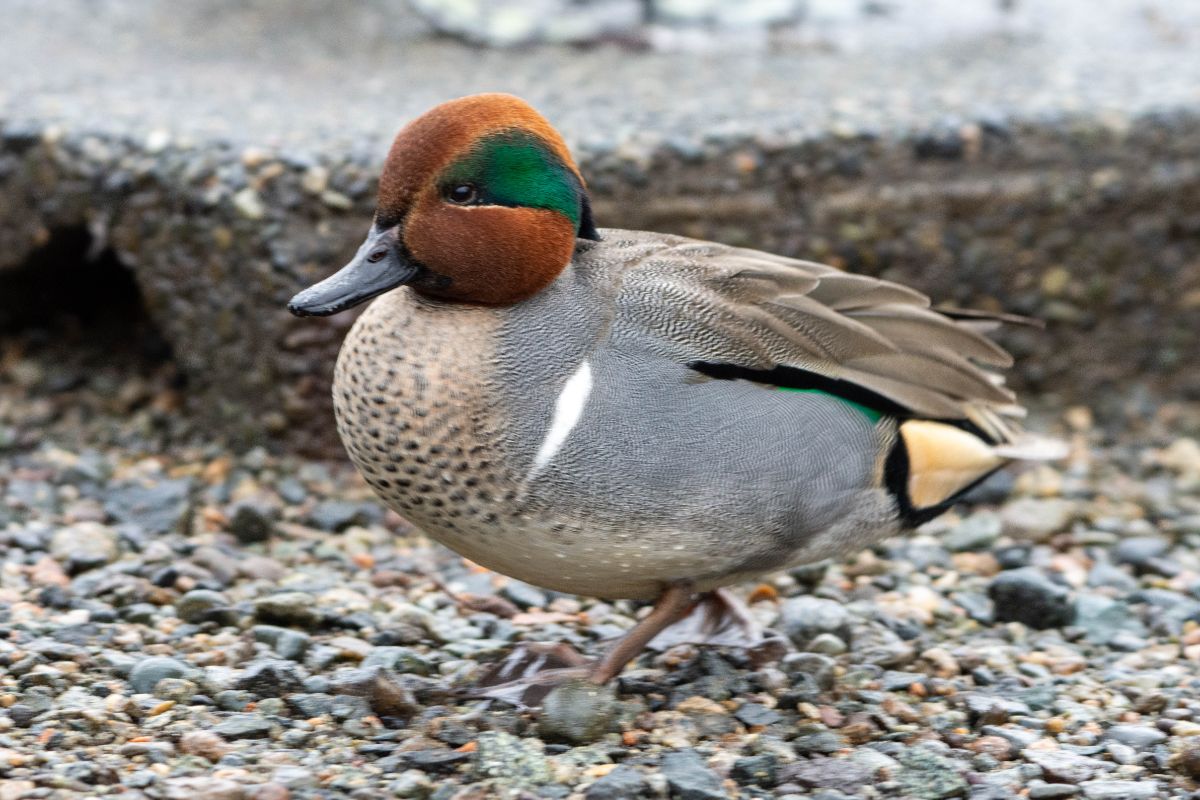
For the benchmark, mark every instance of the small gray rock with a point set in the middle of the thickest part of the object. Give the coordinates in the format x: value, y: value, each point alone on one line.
x: 1105, y: 574
x: 1139, y: 737
x: 338, y: 515
x: 690, y: 778
x: 754, y: 714
x: 347, y: 707
x: 871, y: 643
x: 925, y: 775
x: 578, y: 712
x: 977, y: 532
x: 1060, y: 766
x: 22, y: 714
x: 524, y: 595
x: 234, y: 699
x: 146, y: 674
x: 896, y: 681
x: 1138, y: 551
x: 1019, y: 737
x: 803, y: 618
x: 159, y: 507
x: 287, y: 643
x: 412, y: 784
x: 310, y: 704
x: 1121, y: 753
x: 273, y: 678
x: 243, y: 726
x: 294, y: 777
x: 509, y: 761
x: 403, y: 660
x: 202, y: 787
x: 840, y: 774
x: 761, y: 770
x: 1120, y: 790
x: 1052, y: 791
x: 288, y: 608
x: 828, y: 644
x: 1103, y: 618
x: 199, y: 605
x: 989, y: 709
x: 819, y: 667
x: 1037, y: 519
x: 623, y: 782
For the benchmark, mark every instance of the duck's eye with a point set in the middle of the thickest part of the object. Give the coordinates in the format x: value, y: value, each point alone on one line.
x: 462, y: 194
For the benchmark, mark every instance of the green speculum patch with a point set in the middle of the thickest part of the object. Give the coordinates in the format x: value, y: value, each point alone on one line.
x: 866, y: 411
x: 516, y: 169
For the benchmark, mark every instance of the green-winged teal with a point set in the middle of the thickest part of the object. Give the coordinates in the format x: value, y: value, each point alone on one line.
x: 636, y: 415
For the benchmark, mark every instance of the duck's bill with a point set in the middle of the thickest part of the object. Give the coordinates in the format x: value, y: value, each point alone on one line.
x: 377, y: 267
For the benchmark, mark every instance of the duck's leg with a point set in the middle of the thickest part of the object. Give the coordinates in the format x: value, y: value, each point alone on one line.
x: 716, y: 618
x: 527, y: 674
x: 673, y: 605
x: 680, y: 616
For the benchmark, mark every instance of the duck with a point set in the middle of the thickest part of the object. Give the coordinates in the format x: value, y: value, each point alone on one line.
x: 636, y: 415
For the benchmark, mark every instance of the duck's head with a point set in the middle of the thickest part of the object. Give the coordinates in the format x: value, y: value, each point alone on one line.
x: 479, y: 202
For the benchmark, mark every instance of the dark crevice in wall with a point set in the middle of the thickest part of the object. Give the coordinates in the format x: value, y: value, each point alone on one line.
x: 65, y: 297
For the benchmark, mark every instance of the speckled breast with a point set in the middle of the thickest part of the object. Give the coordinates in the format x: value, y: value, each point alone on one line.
x: 414, y: 413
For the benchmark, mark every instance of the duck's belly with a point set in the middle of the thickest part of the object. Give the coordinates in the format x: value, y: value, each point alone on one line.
x: 593, y: 559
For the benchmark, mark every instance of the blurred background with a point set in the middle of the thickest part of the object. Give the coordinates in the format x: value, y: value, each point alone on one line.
x: 193, y: 164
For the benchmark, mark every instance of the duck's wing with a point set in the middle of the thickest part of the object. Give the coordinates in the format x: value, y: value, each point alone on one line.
x: 738, y: 313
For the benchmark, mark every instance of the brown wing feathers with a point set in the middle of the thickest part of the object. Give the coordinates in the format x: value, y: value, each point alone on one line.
x: 761, y: 312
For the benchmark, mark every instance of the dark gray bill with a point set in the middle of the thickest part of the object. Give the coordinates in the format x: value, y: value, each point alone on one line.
x: 377, y: 267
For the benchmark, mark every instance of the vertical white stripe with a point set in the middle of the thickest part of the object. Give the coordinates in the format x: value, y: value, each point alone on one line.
x: 568, y: 408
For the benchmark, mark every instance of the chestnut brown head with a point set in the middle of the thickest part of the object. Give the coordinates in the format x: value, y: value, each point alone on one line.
x: 479, y: 202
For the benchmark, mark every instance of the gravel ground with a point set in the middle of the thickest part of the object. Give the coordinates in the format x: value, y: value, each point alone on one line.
x: 182, y: 621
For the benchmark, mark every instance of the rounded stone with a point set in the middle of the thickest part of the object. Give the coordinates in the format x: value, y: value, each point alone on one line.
x: 288, y: 608
x: 197, y: 605
x: 805, y: 618
x: 578, y: 711
x: 146, y: 674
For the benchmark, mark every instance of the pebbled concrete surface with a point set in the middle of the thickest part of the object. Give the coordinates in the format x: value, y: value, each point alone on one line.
x: 1045, y: 160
